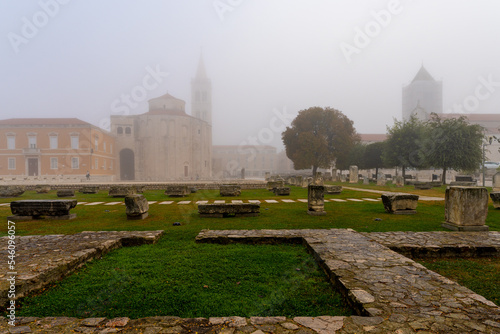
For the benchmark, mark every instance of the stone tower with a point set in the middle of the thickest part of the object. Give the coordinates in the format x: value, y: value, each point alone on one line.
x: 201, y: 94
x: 423, y: 94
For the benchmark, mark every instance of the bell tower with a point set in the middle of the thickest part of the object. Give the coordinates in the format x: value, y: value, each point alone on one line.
x: 201, y: 94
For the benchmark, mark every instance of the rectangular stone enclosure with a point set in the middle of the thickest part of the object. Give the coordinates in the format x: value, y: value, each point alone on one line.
x: 224, y: 210
x: 333, y: 190
x: 39, y: 209
x: 400, y: 203
x: 466, y: 209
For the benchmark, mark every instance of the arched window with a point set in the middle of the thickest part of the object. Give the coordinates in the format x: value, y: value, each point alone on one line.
x: 119, y: 130
x: 128, y: 130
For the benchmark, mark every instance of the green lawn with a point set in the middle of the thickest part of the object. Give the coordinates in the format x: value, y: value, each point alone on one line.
x: 179, y: 277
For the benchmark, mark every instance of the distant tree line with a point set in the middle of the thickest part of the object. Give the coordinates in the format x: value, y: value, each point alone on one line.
x: 325, y: 137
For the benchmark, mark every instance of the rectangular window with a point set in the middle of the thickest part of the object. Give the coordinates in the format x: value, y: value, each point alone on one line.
x: 104, y: 165
x: 32, y: 141
x: 96, y: 143
x: 75, y: 163
x: 111, y: 148
x: 75, y: 142
x: 53, y: 163
x: 12, y: 163
x: 111, y: 165
x: 11, y: 142
x: 104, y: 146
x: 96, y: 166
x: 53, y: 142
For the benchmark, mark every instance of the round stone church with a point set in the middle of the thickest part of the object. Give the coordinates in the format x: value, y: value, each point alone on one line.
x: 166, y: 143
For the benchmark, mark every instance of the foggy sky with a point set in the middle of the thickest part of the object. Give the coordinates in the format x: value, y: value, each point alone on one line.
x: 265, y: 58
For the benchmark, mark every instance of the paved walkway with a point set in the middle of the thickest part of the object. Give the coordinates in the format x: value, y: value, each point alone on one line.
x: 390, y: 292
x: 421, y: 198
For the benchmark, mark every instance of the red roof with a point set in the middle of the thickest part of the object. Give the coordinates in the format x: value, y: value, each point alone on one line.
x: 43, y: 121
x: 473, y: 117
x: 373, y: 137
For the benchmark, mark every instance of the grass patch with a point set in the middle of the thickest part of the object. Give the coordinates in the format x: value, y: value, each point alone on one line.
x: 181, y: 278
x: 479, y: 275
x: 170, y: 278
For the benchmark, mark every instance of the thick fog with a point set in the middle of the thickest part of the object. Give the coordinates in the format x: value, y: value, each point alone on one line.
x: 267, y: 59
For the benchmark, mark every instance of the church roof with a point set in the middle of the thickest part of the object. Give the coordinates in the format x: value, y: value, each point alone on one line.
x: 166, y: 96
x: 423, y: 75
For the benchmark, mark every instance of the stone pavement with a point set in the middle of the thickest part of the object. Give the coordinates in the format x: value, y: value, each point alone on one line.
x: 396, y: 293
x: 390, y: 292
x: 44, y: 259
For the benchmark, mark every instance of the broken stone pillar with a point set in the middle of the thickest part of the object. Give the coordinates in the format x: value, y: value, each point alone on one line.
x: 399, y: 181
x: 42, y: 189
x: 353, y: 174
x: 267, y: 176
x: 496, y: 182
x: 177, y: 191
x: 282, y: 191
x: 466, y: 209
x: 243, y: 173
x: 495, y: 197
x: 366, y: 180
x: 381, y: 180
x: 400, y: 204
x: 137, y: 207
x: 315, y: 200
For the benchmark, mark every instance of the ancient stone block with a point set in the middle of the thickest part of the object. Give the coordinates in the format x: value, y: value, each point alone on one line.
x: 89, y: 190
x: 11, y: 191
x: 463, y: 183
x: 495, y: 197
x: 353, y: 174
x: 422, y: 185
x: 121, y: 191
x: 267, y: 175
x: 399, y: 203
x: 230, y: 190
x: 229, y: 209
x: 42, y: 189
x: 177, y: 191
x: 282, y: 191
x: 333, y: 190
x: 66, y: 193
x: 466, y: 208
x: 38, y: 209
x: 381, y: 180
x: 137, y: 207
x: 315, y: 200
x: 275, y: 184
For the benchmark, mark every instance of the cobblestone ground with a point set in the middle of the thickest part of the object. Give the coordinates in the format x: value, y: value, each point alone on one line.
x: 390, y: 292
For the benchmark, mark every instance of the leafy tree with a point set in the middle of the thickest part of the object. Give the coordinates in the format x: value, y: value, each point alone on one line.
x: 403, y: 144
x: 452, y: 144
x: 356, y: 157
x: 318, y: 137
x: 373, y: 156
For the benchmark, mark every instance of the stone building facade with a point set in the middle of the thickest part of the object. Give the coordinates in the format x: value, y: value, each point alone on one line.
x: 166, y: 143
x: 41, y: 147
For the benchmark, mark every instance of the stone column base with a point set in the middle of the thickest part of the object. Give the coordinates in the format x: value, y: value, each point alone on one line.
x: 462, y: 228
